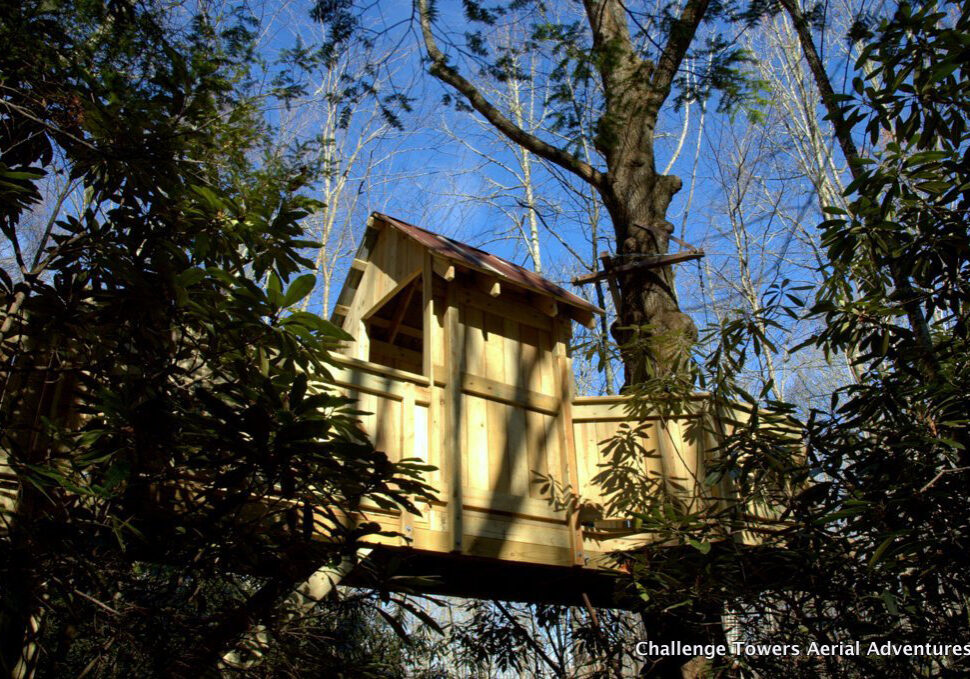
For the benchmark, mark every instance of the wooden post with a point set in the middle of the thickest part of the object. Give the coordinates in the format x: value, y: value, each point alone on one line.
x: 430, y: 326
x: 611, y: 279
x: 567, y: 439
x: 407, y: 450
x: 453, y: 431
x: 430, y: 341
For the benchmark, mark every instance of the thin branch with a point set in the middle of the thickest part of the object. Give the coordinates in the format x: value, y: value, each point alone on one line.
x: 448, y: 75
x: 940, y: 476
x: 528, y: 637
x: 68, y: 189
x: 681, y: 35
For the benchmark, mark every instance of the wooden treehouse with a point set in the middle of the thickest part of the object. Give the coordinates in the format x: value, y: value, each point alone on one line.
x: 461, y: 359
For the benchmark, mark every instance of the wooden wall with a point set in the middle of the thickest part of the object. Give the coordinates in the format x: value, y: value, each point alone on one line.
x: 662, y: 452
x: 494, y: 410
x: 508, y: 402
x: 505, y: 434
x: 394, y: 261
x: 492, y: 389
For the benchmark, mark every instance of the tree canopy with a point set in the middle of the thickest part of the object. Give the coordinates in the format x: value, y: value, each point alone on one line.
x: 873, y: 526
x: 174, y: 473
x: 173, y: 466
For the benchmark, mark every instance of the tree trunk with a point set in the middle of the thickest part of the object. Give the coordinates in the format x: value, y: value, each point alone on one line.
x: 909, y: 298
x: 655, y: 335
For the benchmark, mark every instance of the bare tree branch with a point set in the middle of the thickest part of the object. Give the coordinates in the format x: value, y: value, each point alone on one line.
x: 681, y: 35
x: 448, y: 75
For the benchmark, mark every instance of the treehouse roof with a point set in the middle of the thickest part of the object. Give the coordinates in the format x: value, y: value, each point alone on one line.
x: 468, y: 257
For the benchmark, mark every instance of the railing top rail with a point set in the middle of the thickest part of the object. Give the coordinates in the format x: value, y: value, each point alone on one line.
x: 367, y: 366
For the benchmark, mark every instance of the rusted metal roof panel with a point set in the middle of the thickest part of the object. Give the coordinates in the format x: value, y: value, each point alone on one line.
x: 479, y: 260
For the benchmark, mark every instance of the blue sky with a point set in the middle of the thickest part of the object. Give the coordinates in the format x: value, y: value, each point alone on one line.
x: 427, y: 176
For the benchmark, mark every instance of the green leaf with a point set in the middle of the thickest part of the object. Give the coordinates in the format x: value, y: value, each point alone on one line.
x: 394, y: 623
x: 702, y: 547
x: 424, y: 617
x: 890, y: 602
x: 274, y: 290
x: 299, y: 289
x: 208, y: 196
x: 191, y: 276
x: 880, y: 550
x: 298, y: 390
x: 117, y: 473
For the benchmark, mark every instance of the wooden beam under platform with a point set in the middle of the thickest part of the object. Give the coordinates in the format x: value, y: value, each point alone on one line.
x: 490, y: 579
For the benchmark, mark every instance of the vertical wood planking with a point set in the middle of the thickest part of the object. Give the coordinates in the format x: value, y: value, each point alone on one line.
x: 529, y: 358
x: 367, y: 403
x: 583, y: 455
x: 408, y: 417
x: 593, y: 458
x: 389, y: 418
x: 475, y: 450
x: 510, y: 348
x: 494, y: 327
x: 440, y: 353
x: 567, y: 446
x: 484, y: 433
x: 677, y: 469
x: 422, y: 439
x: 536, y: 458
x: 498, y: 470
x: 471, y: 318
x: 429, y: 343
x: 547, y: 366
x: 517, y: 450
x: 427, y: 319
x: 553, y: 442
x: 653, y: 462
x: 452, y: 433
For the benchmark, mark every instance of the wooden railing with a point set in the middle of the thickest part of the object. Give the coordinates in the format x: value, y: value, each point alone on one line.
x: 511, y: 439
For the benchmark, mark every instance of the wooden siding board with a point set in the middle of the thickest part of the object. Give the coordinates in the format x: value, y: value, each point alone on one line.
x: 516, y: 453
x: 499, y: 471
x: 503, y: 306
x: 452, y: 434
x: 529, y: 364
x: 476, y: 443
x: 494, y: 327
x: 408, y: 421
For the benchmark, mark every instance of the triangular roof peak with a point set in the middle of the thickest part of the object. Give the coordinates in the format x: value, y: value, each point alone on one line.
x: 468, y: 257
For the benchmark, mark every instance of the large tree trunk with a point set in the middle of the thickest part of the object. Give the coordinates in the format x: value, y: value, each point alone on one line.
x: 655, y: 335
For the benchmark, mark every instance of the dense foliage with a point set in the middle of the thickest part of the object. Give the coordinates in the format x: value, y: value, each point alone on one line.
x: 171, y: 460
x: 169, y: 453
x: 874, y: 527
